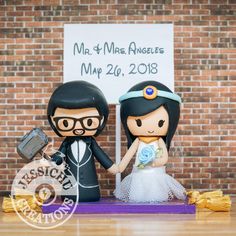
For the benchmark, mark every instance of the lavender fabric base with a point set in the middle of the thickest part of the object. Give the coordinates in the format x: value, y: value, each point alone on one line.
x: 114, y: 206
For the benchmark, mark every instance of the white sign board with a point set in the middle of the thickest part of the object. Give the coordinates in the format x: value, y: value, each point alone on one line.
x: 114, y: 57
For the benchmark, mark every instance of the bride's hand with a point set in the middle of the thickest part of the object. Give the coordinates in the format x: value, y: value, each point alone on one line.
x: 114, y: 169
x: 157, y: 163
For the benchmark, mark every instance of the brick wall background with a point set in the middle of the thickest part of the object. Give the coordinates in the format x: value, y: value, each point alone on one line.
x: 203, y: 154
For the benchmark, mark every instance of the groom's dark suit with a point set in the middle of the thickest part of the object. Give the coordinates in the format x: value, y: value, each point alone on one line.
x: 79, y: 152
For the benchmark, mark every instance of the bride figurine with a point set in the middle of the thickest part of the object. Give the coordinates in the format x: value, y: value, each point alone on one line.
x: 149, y: 114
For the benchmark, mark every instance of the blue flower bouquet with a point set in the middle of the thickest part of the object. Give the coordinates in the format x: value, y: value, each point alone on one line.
x: 148, y: 155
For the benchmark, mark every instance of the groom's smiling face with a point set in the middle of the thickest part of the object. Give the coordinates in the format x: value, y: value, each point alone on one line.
x: 155, y: 123
x: 77, y: 122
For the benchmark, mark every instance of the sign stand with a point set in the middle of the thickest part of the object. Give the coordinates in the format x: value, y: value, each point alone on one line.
x: 118, y: 147
x: 124, y: 56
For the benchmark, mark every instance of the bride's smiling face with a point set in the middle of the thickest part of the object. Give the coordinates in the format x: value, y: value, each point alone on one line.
x: 155, y: 123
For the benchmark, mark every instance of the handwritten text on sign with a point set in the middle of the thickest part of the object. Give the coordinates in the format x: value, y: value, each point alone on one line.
x: 118, y: 56
x: 115, y: 70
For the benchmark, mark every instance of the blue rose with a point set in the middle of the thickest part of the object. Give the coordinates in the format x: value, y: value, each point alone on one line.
x: 146, y: 155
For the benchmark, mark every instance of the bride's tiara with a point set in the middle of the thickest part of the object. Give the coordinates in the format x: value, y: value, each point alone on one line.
x: 150, y: 92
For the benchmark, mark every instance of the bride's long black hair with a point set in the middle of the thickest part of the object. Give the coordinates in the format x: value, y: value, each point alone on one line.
x: 139, y: 106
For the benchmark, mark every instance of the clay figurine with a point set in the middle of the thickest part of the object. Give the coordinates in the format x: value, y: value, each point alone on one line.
x: 78, y: 111
x: 149, y: 114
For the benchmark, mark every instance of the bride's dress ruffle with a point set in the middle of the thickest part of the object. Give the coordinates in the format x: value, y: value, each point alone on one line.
x: 150, y: 185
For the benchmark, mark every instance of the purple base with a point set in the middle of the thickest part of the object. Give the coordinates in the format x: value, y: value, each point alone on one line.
x: 114, y: 206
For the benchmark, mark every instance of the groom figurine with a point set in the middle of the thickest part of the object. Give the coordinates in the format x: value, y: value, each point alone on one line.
x: 78, y: 111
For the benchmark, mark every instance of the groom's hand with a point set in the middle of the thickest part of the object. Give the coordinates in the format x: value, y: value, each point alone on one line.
x: 113, y: 169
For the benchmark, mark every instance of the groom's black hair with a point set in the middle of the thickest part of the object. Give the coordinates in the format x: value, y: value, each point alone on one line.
x: 76, y: 95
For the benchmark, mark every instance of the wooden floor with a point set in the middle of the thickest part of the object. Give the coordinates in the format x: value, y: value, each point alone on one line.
x: 203, y: 223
